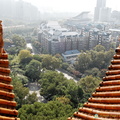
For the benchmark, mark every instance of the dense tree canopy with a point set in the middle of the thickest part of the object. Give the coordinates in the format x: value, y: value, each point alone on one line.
x: 89, y: 83
x: 53, y: 110
x: 17, y: 43
x: 20, y: 92
x: 83, y: 62
x: 97, y: 58
x: 33, y: 70
x: 50, y: 62
x: 99, y: 48
x: 54, y: 85
x: 24, y: 57
x: 24, y: 54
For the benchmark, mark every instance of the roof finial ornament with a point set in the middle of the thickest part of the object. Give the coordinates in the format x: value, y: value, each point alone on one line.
x: 1, y: 37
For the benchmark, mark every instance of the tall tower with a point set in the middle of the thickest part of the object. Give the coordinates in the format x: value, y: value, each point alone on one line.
x: 101, y: 4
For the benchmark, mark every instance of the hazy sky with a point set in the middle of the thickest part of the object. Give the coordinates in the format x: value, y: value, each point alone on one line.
x: 71, y: 5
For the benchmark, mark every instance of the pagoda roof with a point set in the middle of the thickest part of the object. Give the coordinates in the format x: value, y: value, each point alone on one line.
x: 105, y: 101
x: 7, y: 104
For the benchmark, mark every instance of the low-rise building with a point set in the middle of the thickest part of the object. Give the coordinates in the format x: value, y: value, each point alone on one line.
x: 70, y: 56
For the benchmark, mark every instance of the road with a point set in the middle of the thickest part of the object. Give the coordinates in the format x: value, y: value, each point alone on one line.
x: 66, y: 75
x: 33, y: 87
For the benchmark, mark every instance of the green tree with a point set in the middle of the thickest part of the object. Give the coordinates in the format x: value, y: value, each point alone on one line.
x: 33, y: 70
x: 23, y: 78
x: 97, y: 59
x: 46, y: 61
x: 13, y: 50
x: 18, y: 44
x: 89, y: 83
x: 54, y: 85
x: 108, y: 57
x: 38, y: 57
x: 7, y: 43
x: 59, y: 56
x: 24, y: 56
x: 55, y: 63
x: 18, y: 41
x: 53, y: 110
x: 83, y: 62
x: 31, y: 98
x: 65, y: 65
x: 63, y: 100
x: 20, y: 92
x: 99, y: 48
x: 37, y: 45
x: 94, y: 72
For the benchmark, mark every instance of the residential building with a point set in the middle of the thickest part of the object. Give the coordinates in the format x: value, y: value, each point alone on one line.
x: 55, y: 39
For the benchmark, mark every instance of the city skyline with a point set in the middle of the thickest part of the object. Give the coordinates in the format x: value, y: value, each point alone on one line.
x: 71, y: 6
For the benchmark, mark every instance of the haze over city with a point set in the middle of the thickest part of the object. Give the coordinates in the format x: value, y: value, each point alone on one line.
x: 58, y: 55
x: 71, y: 5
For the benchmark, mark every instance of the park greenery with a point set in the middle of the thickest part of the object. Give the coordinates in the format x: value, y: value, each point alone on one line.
x: 62, y: 96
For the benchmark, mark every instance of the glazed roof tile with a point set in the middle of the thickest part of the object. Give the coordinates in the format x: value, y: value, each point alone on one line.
x: 7, y: 104
x: 105, y: 101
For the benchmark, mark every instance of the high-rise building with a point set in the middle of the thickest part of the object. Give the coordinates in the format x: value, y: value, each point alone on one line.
x: 105, y: 14
x: 101, y: 4
x: 18, y: 10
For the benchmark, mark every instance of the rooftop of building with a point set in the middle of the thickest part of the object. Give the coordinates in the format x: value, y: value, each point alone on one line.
x: 69, y: 34
x: 69, y: 52
x: 114, y: 30
x: 53, y: 24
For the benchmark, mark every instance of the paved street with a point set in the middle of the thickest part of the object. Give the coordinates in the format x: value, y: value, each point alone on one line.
x: 33, y: 87
x: 66, y: 75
